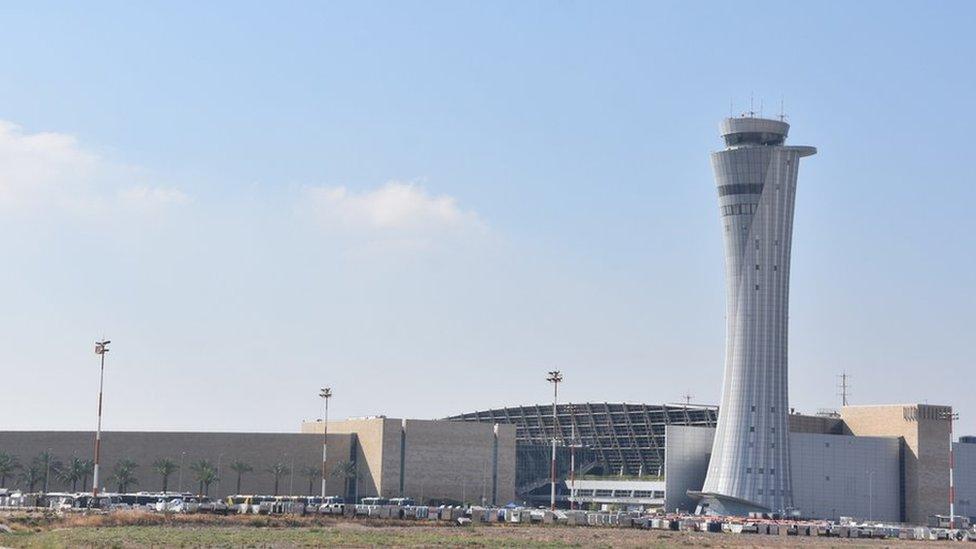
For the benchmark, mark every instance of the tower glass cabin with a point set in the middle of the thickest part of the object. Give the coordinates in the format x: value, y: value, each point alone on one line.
x: 756, y: 177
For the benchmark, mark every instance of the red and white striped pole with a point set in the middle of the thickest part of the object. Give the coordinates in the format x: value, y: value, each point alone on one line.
x: 101, y: 347
x: 951, y: 416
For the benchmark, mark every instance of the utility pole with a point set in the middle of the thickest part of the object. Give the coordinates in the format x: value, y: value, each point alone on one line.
x: 325, y: 394
x: 843, y: 388
x: 555, y: 377
x: 101, y: 347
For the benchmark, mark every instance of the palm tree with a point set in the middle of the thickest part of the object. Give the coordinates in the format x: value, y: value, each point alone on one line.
x: 312, y: 473
x: 47, y: 463
x: 240, y: 467
x: 87, y: 467
x: 348, y: 471
x: 206, y: 475
x: 124, y: 474
x: 8, y: 464
x: 278, y: 470
x: 165, y: 467
x: 32, y: 475
x: 74, y: 471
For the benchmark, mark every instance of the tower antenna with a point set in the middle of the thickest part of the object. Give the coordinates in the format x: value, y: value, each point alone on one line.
x: 843, y: 388
x: 752, y: 104
x: 782, y: 109
x: 760, y: 107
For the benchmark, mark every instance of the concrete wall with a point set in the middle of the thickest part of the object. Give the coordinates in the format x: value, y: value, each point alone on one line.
x: 836, y: 476
x: 687, y: 450
x: 260, y: 450
x: 823, y: 425
x: 926, y: 451
x: 368, y: 456
x: 439, y: 459
x: 863, y: 472
x: 965, y: 477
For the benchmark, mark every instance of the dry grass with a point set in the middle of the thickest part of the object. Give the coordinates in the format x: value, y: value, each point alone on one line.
x: 140, y: 529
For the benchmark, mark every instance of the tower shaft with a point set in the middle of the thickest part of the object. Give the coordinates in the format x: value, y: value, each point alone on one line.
x: 756, y: 177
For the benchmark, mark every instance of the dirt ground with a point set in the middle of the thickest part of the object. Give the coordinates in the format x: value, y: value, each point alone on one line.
x: 145, y: 530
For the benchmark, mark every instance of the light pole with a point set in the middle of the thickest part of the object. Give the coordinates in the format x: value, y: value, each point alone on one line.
x: 101, y: 347
x: 555, y: 377
x: 325, y: 394
x: 951, y: 416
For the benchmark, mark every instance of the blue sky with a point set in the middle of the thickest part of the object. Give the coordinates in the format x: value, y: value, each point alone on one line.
x: 428, y: 205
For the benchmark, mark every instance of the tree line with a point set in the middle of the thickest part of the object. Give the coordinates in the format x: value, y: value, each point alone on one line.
x: 44, y: 471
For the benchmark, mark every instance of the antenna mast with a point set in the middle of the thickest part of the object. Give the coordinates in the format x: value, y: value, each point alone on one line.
x: 843, y: 388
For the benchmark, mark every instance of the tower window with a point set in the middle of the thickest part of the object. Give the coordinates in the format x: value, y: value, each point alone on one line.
x: 752, y: 429
x: 753, y: 408
x: 775, y: 267
x: 748, y: 469
x: 757, y: 286
x: 757, y: 266
x: 760, y: 470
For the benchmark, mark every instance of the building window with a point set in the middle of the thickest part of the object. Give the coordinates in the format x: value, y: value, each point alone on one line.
x: 827, y: 444
x: 760, y: 470
x: 752, y: 429
x: 827, y: 478
x: 772, y: 408
x: 757, y: 286
x: 775, y: 267
x: 760, y: 491
x: 753, y: 408
x: 748, y: 469
x: 757, y: 266
x: 772, y: 471
x: 772, y: 429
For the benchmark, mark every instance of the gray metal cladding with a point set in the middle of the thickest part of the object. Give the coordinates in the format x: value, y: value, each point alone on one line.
x: 756, y: 185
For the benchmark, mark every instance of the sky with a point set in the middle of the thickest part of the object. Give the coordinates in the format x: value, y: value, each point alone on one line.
x: 428, y: 205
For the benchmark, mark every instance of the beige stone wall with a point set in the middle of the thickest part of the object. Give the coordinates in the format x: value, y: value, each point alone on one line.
x: 446, y: 459
x: 369, y: 434
x: 442, y: 459
x: 260, y: 450
x: 926, y: 446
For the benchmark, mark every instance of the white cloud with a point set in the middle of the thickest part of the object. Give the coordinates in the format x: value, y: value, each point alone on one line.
x: 396, y: 208
x: 52, y: 171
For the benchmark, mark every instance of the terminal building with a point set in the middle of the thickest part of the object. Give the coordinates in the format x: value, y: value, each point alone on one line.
x: 888, y: 462
x: 430, y: 461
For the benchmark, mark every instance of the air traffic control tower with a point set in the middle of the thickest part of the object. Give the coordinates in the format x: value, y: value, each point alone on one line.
x: 756, y: 177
